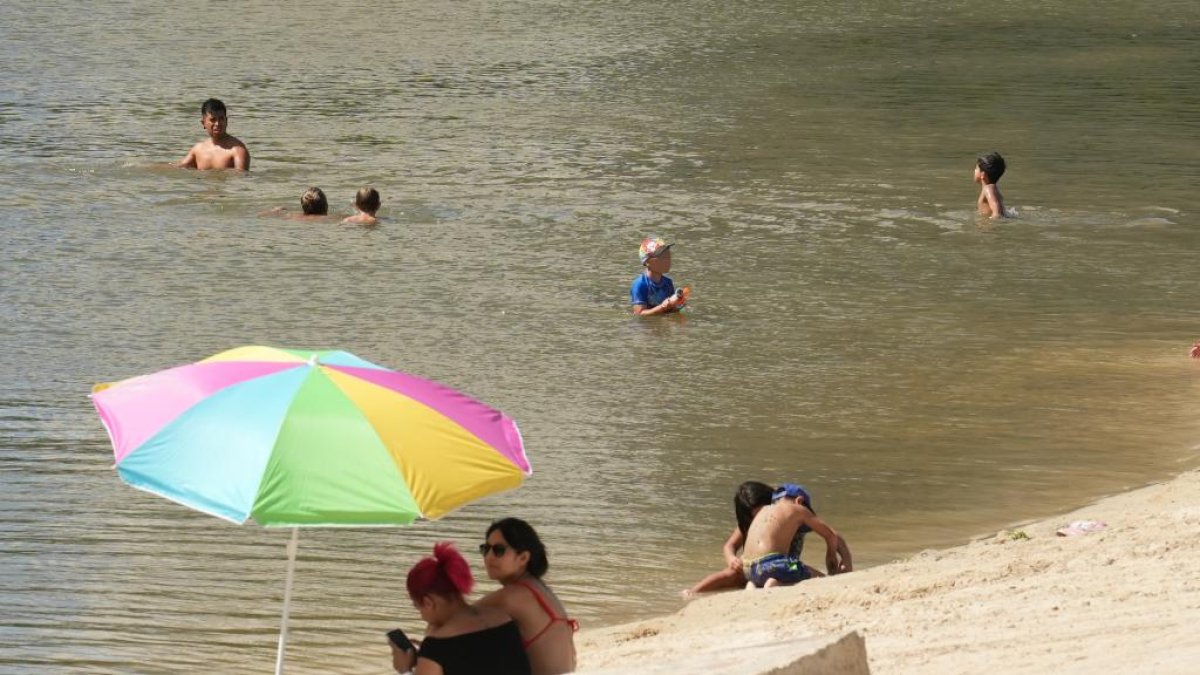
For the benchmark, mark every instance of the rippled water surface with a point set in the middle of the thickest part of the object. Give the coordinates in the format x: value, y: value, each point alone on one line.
x: 929, y: 375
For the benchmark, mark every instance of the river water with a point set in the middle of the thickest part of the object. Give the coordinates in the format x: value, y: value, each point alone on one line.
x: 931, y: 376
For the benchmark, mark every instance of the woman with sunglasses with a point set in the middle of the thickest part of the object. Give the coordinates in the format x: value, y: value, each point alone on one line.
x: 514, y: 555
x: 460, y: 639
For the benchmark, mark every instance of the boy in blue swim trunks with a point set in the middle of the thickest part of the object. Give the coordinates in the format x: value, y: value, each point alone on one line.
x: 653, y: 292
x: 767, y: 559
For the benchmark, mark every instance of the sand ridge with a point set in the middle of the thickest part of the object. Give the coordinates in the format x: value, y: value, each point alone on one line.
x: 1024, y: 600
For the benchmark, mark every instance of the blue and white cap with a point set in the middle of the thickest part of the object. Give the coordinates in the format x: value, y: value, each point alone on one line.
x: 791, y: 491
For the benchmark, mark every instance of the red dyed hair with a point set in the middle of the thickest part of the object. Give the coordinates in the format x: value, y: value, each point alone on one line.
x: 445, y: 573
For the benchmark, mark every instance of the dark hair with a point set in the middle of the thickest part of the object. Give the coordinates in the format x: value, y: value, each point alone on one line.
x: 313, y: 203
x: 367, y: 199
x: 521, y: 536
x: 749, y: 496
x: 992, y: 166
x: 213, y: 106
x: 445, y: 573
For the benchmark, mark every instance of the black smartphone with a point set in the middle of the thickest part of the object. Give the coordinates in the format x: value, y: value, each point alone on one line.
x: 401, y: 640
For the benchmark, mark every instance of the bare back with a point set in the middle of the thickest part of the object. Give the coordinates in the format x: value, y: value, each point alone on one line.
x: 774, y: 525
x: 552, y: 650
x: 772, y: 529
x: 990, y: 202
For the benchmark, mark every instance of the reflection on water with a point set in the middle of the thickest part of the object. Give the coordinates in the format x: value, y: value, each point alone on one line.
x: 929, y: 375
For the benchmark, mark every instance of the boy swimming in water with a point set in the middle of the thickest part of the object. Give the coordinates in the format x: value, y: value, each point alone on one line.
x: 766, y: 557
x: 988, y: 170
x: 219, y: 150
x: 366, y: 202
x: 313, y: 205
x: 653, y: 292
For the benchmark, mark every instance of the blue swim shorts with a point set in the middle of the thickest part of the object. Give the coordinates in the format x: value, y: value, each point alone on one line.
x: 783, y: 568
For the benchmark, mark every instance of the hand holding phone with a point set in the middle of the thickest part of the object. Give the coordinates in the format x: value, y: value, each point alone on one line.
x: 398, y: 638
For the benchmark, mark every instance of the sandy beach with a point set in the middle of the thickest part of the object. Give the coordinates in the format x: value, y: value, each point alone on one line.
x: 1024, y: 600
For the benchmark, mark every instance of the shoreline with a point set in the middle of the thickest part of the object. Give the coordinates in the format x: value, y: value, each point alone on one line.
x: 1024, y: 599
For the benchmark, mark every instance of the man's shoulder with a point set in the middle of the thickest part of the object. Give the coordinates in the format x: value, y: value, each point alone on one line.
x: 235, y: 143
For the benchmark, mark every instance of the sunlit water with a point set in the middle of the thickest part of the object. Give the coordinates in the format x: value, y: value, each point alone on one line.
x: 929, y: 375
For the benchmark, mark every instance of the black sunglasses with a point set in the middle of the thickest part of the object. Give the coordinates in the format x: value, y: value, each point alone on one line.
x: 497, y: 549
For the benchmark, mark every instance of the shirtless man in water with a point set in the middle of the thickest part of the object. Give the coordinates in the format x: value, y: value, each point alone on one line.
x: 219, y: 150
x: 765, y: 557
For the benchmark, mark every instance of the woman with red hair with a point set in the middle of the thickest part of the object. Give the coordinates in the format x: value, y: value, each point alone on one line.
x: 459, y: 639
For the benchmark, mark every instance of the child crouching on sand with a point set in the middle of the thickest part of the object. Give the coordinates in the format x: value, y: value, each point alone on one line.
x: 749, y: 498
x: 766, y: 557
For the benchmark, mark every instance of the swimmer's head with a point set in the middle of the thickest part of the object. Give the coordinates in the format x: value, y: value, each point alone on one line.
x: 213, y: 107
x: 367, y: 199
x: 213, y: 118
x: 313, y: 203
x: 991, y: 166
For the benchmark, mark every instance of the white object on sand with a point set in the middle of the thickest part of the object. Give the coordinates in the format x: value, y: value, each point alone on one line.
x: 1082, y: 527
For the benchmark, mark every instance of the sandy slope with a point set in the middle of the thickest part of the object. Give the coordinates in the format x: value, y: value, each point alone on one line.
x: 1126, y: 599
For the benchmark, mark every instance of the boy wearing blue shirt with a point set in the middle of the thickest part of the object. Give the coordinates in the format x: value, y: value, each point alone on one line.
x: 653, y: 292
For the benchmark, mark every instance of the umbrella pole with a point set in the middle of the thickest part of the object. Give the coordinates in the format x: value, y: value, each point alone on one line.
x: 287, y: 599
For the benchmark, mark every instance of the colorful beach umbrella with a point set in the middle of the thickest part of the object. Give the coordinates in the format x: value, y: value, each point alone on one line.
x: 294, y: 438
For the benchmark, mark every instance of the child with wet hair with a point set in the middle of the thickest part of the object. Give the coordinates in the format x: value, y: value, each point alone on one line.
x: 459, y: 639
x: 313, y: 202
x: 366, y: 203
x: 313, y: 205
x: 988, y: 170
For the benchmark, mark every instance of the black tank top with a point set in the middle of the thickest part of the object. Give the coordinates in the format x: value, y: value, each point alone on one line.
x: 492, y: 650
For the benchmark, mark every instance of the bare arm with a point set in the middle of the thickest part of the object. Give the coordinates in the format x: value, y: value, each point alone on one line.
x: 663, y: 307
x: 844, y: 552
x: 732, y: 544
x: 189, y: 160
x: 241, y: 158
x: 494, y: 599
x: 427, y: 667
x: 833, y: 543
x: 991, y: 195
